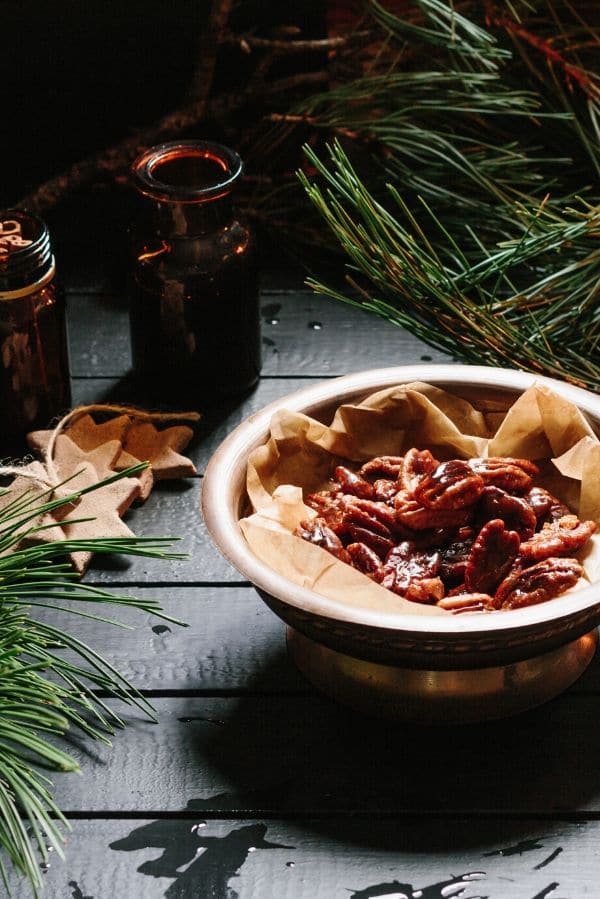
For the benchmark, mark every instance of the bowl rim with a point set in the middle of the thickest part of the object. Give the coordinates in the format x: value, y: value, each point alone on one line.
x: 224, y: 529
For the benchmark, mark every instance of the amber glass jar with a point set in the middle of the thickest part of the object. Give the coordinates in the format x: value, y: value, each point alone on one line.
x: 34, y: 368
x: 195, y: 324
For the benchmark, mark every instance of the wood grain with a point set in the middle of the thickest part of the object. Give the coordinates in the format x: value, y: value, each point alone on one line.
x: 296, y: 755
x: 337, y: 858
x: 232, y: 642
x: 303, y: 334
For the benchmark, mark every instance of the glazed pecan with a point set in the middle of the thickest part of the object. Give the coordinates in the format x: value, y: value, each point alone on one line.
x: 385, y: 490
x: 516, y: 513
x: 467, y: 602
x: 562, y: 537
x: 491, y: 557
x: 413, y: 574
x: 538, y: 583
x: 352, y: 483
x: 417, y: 465
x: 375, y: 510
x: 317, y: 532
x: 455, y: 556
x: 365, y: 560
x: 411, y: 514
x: 329, y: 506
x: 451, y: 486
x: 377, y: 542
x: 383, y: 466
x: 545, y: 506
x: 509, y: 474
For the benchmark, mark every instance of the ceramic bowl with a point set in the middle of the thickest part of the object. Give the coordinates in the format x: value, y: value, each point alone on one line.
x: 446, y: 668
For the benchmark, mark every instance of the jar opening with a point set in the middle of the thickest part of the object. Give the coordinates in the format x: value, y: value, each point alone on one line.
x: 187, y: 171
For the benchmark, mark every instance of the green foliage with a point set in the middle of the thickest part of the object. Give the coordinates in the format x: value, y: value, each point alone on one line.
x: 43, y: 690
x: 461, y: 183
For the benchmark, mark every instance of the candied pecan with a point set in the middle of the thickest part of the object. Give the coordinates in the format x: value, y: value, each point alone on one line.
x: 384, y: 466
x: 545, y: 506
x: 413, y: 574
x: 317, y: 532
x: 329, y: 505
x: 492, y: 554
x: 540, y: 582
x: 451, y: 486
x: 417, y: 465
x: 352, y: 483
x: 353, y: 533
x: 413, y: 515
x: 365, y: 560
x: 377, y: 510
x: 385, y: 490
x: 467, y: 602
x: 562, y: 537
x: 509, y: 474
x: 516, y: 513
x: 354, y: 515
x: 455, y: 556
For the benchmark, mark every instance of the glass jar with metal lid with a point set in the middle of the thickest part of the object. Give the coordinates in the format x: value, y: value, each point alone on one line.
x: 34, y: 369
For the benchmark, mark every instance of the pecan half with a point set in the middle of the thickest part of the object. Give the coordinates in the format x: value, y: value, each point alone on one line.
x: 451, y: 486
x: 417, y: 465
x: 455, y: 556
x: 542, y: 581
x: 352, y: 483
x: 383, y: 466
x: 316, y: 531
x: 467, y: 602
x: 516, y: 513
x: 545, y: 506
x: 509, y: 474
x: 562, y: 537
x: 384, y: 490
x: 412, y: 574
x: 411, y: 514
x: 365, y: 560
x: 491, y: 557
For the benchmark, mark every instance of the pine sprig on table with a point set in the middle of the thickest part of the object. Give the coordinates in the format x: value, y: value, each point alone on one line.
x: 43, y: 692
x: 460, y: 185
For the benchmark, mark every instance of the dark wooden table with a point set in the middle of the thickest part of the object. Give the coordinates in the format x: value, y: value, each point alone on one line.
x: 254, y: 786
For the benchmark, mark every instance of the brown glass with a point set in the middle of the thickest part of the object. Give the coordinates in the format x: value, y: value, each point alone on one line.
x: 194, y: 312
x: 34, y: 368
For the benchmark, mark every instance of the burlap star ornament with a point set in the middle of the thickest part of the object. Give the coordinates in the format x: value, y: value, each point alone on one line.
x: 140, y: 442
x: 79, y: 453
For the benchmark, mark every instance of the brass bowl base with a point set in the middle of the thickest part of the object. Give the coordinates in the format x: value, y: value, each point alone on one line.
x: 441, y: 697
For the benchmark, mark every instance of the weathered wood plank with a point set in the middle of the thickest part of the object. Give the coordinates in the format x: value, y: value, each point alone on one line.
x: 303, y: 755
x: 336, y: 858
x: 232, y: 642
x: 173, y: 509
x: 303, y: 334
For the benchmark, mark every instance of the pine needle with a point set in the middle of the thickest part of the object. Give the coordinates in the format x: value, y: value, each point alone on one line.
x: 43, y: 692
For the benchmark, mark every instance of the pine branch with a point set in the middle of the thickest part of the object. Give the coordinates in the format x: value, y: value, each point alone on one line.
x: 43, y: 693
x: 421, y: 279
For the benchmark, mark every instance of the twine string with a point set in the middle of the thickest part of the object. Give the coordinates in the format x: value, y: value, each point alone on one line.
x: 53, y: 479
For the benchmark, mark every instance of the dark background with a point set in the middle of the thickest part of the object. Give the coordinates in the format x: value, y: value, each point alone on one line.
x: 78, y: 76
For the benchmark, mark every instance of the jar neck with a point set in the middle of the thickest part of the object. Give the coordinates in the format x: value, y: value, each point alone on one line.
x: 187, y: 219
x: 187, y: 186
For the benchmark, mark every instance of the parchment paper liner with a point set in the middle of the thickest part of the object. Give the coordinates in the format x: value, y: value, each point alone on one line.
x: 301, y: 452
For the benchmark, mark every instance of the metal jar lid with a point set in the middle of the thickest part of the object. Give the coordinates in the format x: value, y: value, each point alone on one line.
x: 26, y: 260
